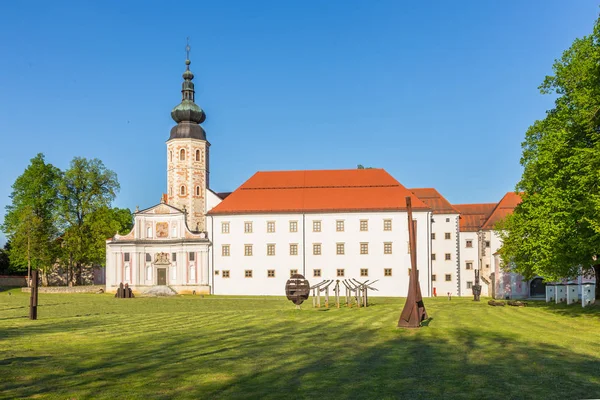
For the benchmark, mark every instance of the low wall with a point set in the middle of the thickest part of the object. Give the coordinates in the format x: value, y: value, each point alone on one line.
x: 14, y: 281
x: 66, y: 289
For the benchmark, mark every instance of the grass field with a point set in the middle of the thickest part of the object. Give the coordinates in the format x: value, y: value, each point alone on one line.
x: 96, y: 346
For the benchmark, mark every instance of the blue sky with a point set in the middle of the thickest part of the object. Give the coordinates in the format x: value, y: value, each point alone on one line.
x: 438, y: 93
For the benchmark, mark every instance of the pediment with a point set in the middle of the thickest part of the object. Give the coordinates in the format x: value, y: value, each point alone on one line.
x: 162, y: 209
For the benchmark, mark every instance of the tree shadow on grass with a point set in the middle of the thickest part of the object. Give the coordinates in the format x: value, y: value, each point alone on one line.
x: 573, y: 310
x: 271, y: 359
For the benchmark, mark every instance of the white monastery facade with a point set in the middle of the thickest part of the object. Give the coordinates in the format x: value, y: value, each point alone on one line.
x: 334, y: 224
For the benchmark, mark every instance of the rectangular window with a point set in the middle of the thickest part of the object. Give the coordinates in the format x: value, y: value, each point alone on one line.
x: 247, y: 227
x: 447, y: 235
x: 387, y: 224
x: 433, y: 278
x: 270, y: 249
x: 148, y: 257
x: 317, y: 273
x: 317, y: 249
x: 293, y: 272
x: 447, y: 219
x: 432, y: 256
x: 216, y: 272
x: 469, y: 285
x: 191, y: 256
x: 433, y: 236
x: 247, y: 249
x: 174, y: 257
x: 270, y: 273
x: 293, y: 249
x: 339, y: 249
x: 487, y: 243
x: 270, y: 226
x: 248, y: 273
x: 469, y: 264
x: 225, y: 250
x: 387, y: 248
x: 364, y: 225
x: 293, y: 226
x: 340, y: 272
x: 487, y: 265
x: 224, y: 227
x: 126, y: 257
x: 225, y: 273
x: 448, y: 256
x: 339, y: 225
x: 387, y: 272
x: 316, y: 226
x: 364, y: 248
x: 448, y: 277
x: 364, y: 272
x: 469, y: 244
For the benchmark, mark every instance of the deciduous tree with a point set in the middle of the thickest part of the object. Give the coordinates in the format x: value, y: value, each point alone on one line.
x: 556, y: 229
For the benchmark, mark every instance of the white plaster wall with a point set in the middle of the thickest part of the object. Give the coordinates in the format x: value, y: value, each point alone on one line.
x: 352, y: 261
x: 469, y: 254
x: 445, y: 223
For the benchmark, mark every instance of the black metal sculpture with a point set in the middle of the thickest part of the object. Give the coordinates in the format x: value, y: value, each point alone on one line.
x: 297, y: 289
x: 414, y: 310
x: 476, y: 287
x: 124, y: 292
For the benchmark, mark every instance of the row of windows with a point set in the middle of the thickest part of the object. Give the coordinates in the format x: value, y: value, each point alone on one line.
x: 191, y: 257
x: 447, y: 236
x: 340, y: 249
x: 183, y: 191
x: 340, y: 272
x: 469, y: 243
x: 447, y: 277
x: 316, y: 226
x: 447, y: 257
x: 182, y: 155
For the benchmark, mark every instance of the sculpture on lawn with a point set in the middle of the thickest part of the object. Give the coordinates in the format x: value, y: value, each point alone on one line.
x: 297, y: 289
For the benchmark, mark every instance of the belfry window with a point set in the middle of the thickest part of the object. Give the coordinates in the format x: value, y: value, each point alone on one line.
x: 171, y: 155
x: 182, y: 190
x: 182, y: 155
x: 197, y: 155
x: 197, y: 190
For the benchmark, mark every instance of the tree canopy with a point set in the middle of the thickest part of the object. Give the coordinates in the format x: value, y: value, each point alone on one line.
x: 556, y: 229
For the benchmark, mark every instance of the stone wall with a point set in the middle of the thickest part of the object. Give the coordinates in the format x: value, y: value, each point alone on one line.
x: 13, y: 281
x: 66, y: 289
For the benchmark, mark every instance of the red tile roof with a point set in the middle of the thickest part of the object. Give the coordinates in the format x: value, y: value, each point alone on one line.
x: 473, y: 216
x: 318, y: 191
x: 504, y: 207
x: 435, y: 200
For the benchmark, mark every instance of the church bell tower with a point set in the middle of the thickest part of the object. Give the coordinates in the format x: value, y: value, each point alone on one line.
x: 187, y: 156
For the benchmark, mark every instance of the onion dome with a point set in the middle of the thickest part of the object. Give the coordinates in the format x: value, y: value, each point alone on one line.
x: 188, y: 114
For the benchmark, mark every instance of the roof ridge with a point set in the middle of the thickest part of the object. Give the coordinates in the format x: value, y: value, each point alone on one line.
x: 314, y: 187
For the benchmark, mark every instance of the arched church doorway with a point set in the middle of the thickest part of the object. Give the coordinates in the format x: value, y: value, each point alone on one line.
x: 537, y: 288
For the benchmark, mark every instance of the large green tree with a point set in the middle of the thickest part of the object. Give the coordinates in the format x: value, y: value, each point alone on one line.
x: 555, y: 231
x: 86, y: 192
x: 29, y: 222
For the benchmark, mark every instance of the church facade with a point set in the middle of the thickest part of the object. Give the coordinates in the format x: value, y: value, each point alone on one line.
x: 331, y: 224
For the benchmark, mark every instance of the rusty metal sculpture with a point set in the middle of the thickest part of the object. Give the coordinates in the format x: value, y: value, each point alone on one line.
x: 33, y: 299
x: 124, y: 292
x: 414, y: 310
x: 297, y: 289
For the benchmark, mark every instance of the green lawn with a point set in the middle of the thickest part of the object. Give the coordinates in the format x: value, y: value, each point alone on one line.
x: 96, y: 346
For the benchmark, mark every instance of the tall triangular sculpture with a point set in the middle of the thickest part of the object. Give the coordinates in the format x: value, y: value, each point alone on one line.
x: 414, y: 310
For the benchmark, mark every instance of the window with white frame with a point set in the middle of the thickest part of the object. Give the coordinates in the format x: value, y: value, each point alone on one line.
x: 339, y: 249
x: 316, y: 226
x: 247, y: 227
x: 247, y: 249
x: 270, y: 226
x: 339, y: 225
x: 270, y: 249
x: 293, y: 226
x: 387, y: 248
x: 225, y: 250
x: 317, y: 249
x: 224, y: 227
x: 293, y: 249
x: 364, y: 248
x: 364, y: 225
x: 387, y: 224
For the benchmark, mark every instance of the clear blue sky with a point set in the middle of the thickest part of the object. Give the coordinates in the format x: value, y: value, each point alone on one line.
x: 438, y: 93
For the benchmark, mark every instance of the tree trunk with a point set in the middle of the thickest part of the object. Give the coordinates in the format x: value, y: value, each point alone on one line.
x: 597, y: 274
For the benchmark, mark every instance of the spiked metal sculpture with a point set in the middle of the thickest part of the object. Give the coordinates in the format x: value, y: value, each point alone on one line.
x: 414, y: 310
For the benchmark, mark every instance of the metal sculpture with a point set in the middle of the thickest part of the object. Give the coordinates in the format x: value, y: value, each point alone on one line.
x: 33, y: 299
x: 414, y: 309
x: 476, y: 287
x: 297, y: 289
x: 124, y: 292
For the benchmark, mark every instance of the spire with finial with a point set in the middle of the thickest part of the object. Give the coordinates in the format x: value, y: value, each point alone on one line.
x: 188, y: 111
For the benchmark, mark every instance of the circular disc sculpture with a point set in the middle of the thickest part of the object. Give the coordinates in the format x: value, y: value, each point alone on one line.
x: 297, y: 289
